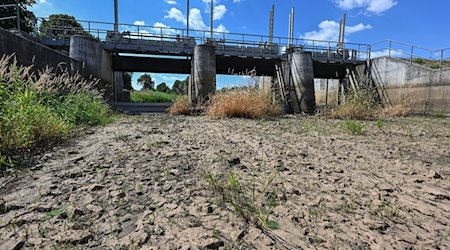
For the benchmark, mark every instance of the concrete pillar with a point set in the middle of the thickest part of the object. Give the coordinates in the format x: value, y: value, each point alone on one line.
x: 119, y: 94
x: 96, y: 62
x: 301, y: 88
x: 203, y: 74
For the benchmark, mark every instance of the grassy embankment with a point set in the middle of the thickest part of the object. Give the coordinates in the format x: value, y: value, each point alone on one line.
x: 150, y: 96
x: 37, y: 110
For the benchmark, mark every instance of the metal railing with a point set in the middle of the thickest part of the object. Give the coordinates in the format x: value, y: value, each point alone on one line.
x: 414, y: 54
x: 226, y: 42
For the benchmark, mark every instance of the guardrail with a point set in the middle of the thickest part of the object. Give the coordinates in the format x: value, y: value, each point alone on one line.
x: 259, y: 44
x: 412, y: 53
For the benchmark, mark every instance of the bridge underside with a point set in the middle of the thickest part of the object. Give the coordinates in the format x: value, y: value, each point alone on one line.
x: 226, y: 65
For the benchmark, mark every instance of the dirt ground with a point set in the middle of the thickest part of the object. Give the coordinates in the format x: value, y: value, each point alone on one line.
x: 140, y: 184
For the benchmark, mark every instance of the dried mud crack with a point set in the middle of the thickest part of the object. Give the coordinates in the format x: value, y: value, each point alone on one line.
x: 139, y: 184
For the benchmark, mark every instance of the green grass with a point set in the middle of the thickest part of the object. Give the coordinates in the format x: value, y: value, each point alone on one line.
x: 353, y: 127
x: 38, y: 110
x: 150, y: 96
x: 434, y: 64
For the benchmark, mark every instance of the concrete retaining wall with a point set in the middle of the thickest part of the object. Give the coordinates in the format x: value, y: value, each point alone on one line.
x: 398, y: 80
x: 29, y: 52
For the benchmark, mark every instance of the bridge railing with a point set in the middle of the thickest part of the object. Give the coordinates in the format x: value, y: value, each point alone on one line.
x: 412, y: 53
x: 226, y: 42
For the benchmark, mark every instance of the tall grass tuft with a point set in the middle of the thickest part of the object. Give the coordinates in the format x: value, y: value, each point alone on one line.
x: 180, y: 106
x: 359, y: 105
x: 243, y: 103
x: 43, y: 107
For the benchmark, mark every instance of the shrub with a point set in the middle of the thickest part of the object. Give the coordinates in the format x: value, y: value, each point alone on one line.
x: 243, y: 103
x: 42, y: 108
x: 149, y: 96
x: 353, y: 127
x: 180, y: 106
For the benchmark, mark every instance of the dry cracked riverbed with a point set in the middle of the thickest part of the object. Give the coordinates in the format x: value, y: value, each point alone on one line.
x: 140, y: 184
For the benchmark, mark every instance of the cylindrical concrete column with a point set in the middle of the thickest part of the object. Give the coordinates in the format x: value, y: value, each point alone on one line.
x: 203, y: 74
x: 301, y: 88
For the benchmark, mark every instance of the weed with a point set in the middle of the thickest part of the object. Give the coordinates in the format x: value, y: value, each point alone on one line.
x: 353, y: 127
x: 180, y: 106
x: 57, y: 212
x: 253, y: 206
x: 359, y: 104
x: 243, y: 103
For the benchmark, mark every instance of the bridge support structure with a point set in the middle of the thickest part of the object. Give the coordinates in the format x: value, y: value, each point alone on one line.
x: 203, y: 74
x: 97, y: 62
x: 298, y: 74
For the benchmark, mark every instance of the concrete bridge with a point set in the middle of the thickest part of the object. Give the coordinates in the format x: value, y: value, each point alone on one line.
x: 202, y: 54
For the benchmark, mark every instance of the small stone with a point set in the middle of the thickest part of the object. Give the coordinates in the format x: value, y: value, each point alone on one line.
x: 74, y: 211
x: 2, y: 206
x: 43, y: 208
x: 88, y: 199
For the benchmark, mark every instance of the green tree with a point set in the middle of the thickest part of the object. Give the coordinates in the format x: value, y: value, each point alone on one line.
x: 61, y: 25
x: 27, y: 17
x: 162, y: 87
x: 127, y: 76
x: 181, y: 87
x: 145, y: 80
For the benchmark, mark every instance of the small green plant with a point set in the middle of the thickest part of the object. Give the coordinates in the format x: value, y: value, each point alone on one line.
x: 57, y: 212
x: 353, y: 127
x: 253, y: 206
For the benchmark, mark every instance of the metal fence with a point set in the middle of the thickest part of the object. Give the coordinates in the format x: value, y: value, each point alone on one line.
x: 411, y: 53
x: 224, y: 41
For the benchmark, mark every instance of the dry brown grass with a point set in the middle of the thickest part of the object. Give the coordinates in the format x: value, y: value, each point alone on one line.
x: 404, y: 108
x: 243, y: 103
x: 180, y: 106
x: 360, y: 105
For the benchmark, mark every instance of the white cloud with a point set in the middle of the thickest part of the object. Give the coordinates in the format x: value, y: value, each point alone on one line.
x: 221, y: 28
x: 195, y: 18
x: 385, y: 52
x: 170, y: 2
x: 139, y: 23
x: 42, y: 1
x: 372, y: 6
x: 219, y: 11
x: 236, y: 1
x: 176, y: 14
x: 159, y: 27
x: 329, y: 31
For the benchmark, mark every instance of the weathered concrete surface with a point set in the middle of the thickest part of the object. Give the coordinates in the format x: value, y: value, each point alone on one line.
x: 96, y: 61
x: 29, y: 52
x: 324, y: 96
x: 399, y: 80
x: 203, y: 74
x: 301, y: 89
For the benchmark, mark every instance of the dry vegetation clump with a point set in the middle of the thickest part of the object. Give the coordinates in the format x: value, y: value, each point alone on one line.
x: 180, y: 106
x: 359, y: 105
x: 243, y: 103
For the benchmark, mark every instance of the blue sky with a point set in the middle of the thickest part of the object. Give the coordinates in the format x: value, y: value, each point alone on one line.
x: 419, y: 22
